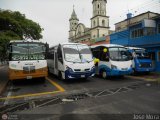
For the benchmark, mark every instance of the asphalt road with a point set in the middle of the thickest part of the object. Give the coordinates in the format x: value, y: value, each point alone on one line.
x: 95, y: 98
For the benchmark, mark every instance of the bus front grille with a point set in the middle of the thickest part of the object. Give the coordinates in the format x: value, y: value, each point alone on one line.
x: 145, y: 65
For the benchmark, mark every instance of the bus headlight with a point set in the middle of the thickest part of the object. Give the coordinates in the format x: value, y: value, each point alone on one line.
x: 113, y: 67
x: 139, y: 65
x: 69, y: 69
x: 93, y: 67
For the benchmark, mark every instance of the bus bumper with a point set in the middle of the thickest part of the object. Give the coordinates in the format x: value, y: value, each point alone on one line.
x: 116, y: 72
x: 76, y: 75
x: 144, y: 69
x: 19, y: 74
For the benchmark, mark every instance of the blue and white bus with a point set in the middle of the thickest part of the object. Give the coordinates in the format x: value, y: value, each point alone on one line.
x: 141, y: 61
x: 112, y: 60
x: 71, y: 61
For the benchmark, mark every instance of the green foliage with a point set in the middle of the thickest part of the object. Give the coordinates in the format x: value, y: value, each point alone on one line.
x: 15, y: 26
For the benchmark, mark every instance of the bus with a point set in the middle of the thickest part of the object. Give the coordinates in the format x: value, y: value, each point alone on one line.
x: 141, y: 61
x: 71, y: 61
x: 112, y: 60
x: 27, y: 60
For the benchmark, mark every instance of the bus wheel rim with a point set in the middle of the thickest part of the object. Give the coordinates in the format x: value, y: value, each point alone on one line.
x: 104, y: 75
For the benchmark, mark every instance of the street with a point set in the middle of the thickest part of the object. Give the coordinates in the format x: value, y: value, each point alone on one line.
x: 114, y: 95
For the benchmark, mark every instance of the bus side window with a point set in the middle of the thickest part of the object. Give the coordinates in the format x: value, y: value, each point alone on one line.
x: 105, y: 56
x: 52, y: 55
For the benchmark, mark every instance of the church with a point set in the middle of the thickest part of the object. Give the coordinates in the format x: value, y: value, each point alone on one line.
x: 79, y: 33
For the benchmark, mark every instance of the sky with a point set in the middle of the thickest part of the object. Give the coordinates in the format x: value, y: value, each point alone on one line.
x: 53, y: 15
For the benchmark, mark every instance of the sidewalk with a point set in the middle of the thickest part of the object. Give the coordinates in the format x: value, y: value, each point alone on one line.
x: 152, y: 77
x: 3, y: 77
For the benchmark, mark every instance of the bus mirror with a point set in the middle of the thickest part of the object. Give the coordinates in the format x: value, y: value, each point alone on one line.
x: 105, y: 50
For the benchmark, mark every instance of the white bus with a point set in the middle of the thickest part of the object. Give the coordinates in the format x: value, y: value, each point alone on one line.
x: 71, y: 61
x: 27, y: 59
x: 113, y: 60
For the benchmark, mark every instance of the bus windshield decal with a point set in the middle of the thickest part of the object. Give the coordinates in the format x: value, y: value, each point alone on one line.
x: 27, y: 52
x: 77, y: 53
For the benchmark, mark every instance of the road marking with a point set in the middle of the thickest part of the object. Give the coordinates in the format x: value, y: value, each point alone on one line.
x: 55, y: 84
x: 60, y: 89
x: 8, y: 95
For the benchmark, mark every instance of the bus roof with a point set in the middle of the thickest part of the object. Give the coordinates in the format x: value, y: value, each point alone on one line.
x: 135, y: 48
x: 107, y: 45
x: 68, y: 43
x: 17, y: 41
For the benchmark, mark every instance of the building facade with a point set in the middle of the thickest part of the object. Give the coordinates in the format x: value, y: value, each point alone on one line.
x: 140, y: 31
x: 99, y: 25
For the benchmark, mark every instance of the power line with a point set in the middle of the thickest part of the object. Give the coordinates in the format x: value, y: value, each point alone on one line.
x: 144, y: 7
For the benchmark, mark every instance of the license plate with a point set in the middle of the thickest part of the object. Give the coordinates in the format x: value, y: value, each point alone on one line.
x: 29, y: 77
x: 82, y: 76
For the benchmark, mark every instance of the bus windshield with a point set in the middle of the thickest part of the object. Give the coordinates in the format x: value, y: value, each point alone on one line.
x: 27, y: 51
x: 119, y: 54
x: 77, y: 53
x: 141, y: 54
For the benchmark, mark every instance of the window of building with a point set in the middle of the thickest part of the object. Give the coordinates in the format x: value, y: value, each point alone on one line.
x: 103, y: 22
x: 94, y: 23
x: 98, y: 5
x: 150, y: 31
x: 137, y: 33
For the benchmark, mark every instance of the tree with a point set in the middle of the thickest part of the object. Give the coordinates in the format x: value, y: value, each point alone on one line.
x: 15, y: 26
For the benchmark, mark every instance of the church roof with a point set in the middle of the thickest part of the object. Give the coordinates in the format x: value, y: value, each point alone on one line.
x: 74, y: 16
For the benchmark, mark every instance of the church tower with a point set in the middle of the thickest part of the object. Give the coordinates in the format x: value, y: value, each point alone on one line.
x: 99, y: 20
x: 73, y: 24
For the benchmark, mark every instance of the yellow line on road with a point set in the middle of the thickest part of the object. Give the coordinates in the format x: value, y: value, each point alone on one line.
x: 55, y: 84
x: 60, y: 89
x: 29, y: 95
